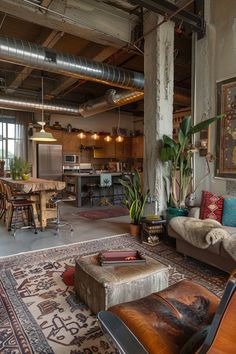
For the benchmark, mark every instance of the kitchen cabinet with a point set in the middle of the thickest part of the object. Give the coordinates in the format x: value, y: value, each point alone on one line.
x: 57, y: 134
x: 137, y: 146
x: 105, y: 149
x: 71, y: 142
x: 127, y: 147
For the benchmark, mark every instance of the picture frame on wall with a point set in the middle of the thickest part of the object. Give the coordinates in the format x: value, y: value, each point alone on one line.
x: 226, y: 129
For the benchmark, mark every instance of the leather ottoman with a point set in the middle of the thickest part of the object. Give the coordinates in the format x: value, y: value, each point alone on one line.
x: 101, y: 287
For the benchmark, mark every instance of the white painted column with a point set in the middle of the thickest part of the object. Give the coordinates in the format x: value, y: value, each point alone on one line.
x: 158, y: 102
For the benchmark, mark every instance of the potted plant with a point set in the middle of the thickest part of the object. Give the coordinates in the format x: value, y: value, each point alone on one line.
x: 19, y: 168
x: 135, y: 200
x: 25, y: 170
x: 179, y: 155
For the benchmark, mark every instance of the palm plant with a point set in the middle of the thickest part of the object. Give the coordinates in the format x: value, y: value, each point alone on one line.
x: 179, y: 157
x: 135, y: 198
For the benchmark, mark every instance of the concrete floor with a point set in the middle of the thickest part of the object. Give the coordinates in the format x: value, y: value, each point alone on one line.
x: 84, y: 229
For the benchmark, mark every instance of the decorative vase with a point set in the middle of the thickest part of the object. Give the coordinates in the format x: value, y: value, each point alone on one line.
x: 135, y: 230
x: 173, y: 212
x: 25, y: 176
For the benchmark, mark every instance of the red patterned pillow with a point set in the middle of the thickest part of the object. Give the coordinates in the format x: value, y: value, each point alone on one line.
x: 211, y: 206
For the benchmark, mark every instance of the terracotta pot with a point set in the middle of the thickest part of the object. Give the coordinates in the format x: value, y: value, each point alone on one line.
x: 135, y: 230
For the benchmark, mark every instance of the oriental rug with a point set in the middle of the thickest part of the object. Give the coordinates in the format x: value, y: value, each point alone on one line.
x: 97, y: 214
x: 40, y: 314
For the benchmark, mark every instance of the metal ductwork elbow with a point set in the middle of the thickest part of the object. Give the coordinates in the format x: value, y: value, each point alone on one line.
x: 111, y: 100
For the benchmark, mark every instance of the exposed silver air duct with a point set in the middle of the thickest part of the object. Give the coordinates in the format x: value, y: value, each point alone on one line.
x: 111, y: 100
x: 31, y: 104
x: 35, y: 56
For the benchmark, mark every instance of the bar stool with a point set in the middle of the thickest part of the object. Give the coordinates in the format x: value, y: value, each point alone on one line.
x: 17, y: 206
x: 56, y: 200
x: 105, y: 184
x: 90, y: 187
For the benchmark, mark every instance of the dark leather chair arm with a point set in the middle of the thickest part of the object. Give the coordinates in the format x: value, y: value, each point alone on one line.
x: 120, y: 335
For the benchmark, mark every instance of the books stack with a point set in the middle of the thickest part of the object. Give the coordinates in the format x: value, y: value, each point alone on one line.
x: 151, y: 233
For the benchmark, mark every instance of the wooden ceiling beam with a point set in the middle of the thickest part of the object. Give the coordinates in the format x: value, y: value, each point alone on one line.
x: 70, y: 83
x: 49, y: 41
x: 95, y: 21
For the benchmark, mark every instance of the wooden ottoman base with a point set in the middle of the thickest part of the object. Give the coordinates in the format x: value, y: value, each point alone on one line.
x: 102, y: 287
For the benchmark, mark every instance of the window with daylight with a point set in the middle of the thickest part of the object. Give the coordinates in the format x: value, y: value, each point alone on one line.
x: 12, y: 139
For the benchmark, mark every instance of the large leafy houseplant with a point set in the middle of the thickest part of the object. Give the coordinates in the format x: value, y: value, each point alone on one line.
x: 135, y: 197
x: 179, y: 155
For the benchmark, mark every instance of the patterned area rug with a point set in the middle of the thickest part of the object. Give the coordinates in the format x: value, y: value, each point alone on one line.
x: 104, y: 214
x: 40, y: 314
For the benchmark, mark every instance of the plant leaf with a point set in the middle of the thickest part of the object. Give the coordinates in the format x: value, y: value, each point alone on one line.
x: 186, y: 125
x: 204, y: 124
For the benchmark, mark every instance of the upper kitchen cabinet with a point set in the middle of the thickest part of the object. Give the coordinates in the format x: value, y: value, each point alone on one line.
x: 71, y: 142
x: 127, y: 147
x: 57, y: 134
x: 104, y: 149
x: 123, y: 149
x: 137, y: 146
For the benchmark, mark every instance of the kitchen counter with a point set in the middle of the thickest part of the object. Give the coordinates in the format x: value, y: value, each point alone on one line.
x: 93, y: 174
x: 76, y: 184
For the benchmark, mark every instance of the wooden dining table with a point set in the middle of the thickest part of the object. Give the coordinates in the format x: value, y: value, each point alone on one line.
x: 43, y: 188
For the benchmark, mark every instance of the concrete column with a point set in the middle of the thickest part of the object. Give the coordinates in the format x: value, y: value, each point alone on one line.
x: 158, y: 102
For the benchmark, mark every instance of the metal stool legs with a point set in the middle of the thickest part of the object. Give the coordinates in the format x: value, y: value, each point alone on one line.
x: 58, y: 222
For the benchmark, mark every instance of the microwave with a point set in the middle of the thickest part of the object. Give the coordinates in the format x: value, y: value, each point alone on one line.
x: 71, y: 159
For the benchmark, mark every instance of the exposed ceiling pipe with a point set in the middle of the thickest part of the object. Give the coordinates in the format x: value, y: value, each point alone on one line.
x: 31, y: 104
x: 35, y: 56
x: 111, y: 100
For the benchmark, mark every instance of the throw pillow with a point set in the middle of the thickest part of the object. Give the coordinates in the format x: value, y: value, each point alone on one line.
x: 211, y: 206
x: 229, y: 212
x: 195, y: 342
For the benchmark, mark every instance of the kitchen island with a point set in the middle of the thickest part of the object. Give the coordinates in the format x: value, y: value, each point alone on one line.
x: 77, y: 184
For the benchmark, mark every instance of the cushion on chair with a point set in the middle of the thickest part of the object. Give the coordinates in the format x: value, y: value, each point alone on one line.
x: 211, y: 206
x: 229, y: 212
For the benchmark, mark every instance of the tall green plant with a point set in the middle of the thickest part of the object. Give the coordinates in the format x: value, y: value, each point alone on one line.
x: 179, y: 157
x: 135, y: 198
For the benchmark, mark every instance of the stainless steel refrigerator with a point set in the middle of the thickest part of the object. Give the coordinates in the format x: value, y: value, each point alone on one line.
x: 49, y: 161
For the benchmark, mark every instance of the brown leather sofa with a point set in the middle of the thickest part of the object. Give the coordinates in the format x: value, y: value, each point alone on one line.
x: 214, y: 255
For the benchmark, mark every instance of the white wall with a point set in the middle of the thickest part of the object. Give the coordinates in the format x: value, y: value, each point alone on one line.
x: 102, y: 122
x: 215, y: 61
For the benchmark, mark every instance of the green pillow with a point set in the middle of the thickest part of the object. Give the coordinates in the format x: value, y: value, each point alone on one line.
x: 229, y: 212
x: 195, y: 342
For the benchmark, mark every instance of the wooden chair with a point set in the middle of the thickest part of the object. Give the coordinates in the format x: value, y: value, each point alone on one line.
x: 125, y: 323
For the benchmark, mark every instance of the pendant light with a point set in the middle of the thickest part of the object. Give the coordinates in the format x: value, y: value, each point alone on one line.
x: 81, y: 135
x: 119, y: 138
x: 108, y: 138
x: 42, y: 135
x: 95, y: 136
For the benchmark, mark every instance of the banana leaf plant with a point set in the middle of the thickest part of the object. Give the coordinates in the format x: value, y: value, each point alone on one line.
x: 179, y: 157
x: 135, y: 198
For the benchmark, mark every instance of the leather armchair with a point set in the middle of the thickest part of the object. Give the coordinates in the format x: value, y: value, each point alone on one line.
x: 163, y: 322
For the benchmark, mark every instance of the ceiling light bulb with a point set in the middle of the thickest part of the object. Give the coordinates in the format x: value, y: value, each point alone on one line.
x: 95, y: 136
x: 119, y: 139
x: 81, y: 135
x: 108, y: 138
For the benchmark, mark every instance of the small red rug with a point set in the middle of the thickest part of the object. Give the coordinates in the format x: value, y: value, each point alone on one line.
x: 97, y: 214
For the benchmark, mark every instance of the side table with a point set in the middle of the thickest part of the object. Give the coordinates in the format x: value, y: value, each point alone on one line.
x: 152, y: 230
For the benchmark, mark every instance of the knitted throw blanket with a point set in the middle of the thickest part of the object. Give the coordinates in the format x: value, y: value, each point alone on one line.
x: 199, y: 233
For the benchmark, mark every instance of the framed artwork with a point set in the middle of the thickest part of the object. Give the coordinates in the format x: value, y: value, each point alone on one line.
x: 226, y: 129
